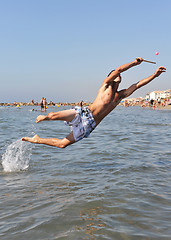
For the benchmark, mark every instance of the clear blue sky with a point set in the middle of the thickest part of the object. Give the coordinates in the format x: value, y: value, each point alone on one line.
x: 63, y: 49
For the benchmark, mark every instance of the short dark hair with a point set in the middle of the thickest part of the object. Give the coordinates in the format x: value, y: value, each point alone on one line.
x: 111, y: 72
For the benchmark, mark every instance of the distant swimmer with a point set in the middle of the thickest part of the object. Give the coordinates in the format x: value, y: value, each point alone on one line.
x: 83, y: 120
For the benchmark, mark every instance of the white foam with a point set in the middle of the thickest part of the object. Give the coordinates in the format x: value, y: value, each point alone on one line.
x: 16, y: 156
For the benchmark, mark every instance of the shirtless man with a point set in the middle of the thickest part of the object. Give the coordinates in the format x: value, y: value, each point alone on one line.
x: 83, y: 120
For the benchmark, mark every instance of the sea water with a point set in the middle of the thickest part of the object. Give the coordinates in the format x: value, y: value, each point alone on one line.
x: 113, y: 185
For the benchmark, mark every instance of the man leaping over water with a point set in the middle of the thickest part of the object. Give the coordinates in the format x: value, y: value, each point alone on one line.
x: 83, y: 120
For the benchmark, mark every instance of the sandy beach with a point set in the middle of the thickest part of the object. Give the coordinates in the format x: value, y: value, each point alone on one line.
x: 168, y: 107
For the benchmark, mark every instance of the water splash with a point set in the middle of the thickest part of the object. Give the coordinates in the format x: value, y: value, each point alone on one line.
x: 16, y: 156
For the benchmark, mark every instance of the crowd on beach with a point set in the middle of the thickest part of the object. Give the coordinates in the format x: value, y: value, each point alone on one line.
x: 154, y: 104
x: 158, y: 103
x: 44, y: 104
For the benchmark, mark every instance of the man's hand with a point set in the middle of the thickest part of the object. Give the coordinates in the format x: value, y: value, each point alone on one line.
x: 139, y: 60
x: 159, y: 71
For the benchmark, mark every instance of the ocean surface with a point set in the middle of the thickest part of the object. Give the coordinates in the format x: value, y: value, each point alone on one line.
x: 116, y: 184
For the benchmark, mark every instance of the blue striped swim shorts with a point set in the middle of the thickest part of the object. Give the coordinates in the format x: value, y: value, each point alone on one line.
x: 83, y: 123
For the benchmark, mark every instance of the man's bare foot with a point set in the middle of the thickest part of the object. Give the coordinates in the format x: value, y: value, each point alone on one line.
x: 40, y: 118
x: 34, y: 139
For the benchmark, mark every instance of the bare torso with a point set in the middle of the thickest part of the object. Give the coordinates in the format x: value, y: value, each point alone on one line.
x: 107, y: 99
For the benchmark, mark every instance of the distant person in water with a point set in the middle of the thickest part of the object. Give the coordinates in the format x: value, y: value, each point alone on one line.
x: 44, y: 104
x: 83, y: 120
x: 41, y: 104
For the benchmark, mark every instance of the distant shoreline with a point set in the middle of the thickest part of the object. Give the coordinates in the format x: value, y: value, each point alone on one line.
x: 161, y: 107
x: 38, y: 104
x: 168, y: 107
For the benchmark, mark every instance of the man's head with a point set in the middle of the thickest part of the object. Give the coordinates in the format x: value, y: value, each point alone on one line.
x: 111, y: 72
x: 117, y: 79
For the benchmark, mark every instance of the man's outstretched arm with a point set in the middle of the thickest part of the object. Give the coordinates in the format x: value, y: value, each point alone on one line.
x: 115, y: 73
x: 126, y: 66
x: 127, y: 92
x: 149, y: 79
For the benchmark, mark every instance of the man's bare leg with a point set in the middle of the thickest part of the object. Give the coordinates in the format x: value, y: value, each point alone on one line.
x: 41, y: 118
x: 55, y: 142
x: 66, y: 115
